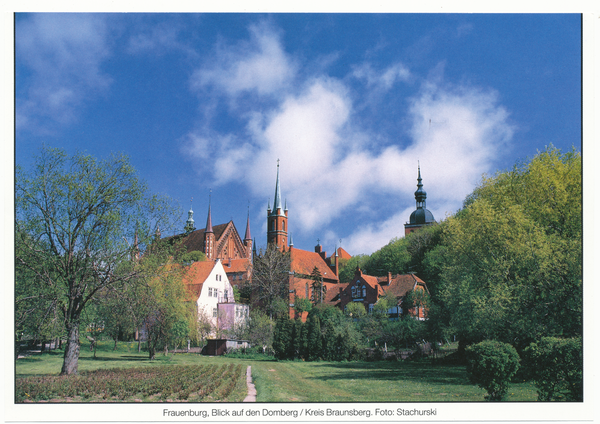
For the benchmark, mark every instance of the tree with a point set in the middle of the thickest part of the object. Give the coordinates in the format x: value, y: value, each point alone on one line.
x: 556, y: 367
x: 260, y: 330
x: 512, y: 257
x: 270, y: 280
x: 491, y: 365
x: 73, y: 216
x: 317, y: 286
x: 392, y: 257
x: 347, y: 267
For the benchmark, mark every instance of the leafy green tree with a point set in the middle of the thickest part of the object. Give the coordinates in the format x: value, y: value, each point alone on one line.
x: 37, y: 312
x: 282, y: 338
x: 314, y: 337
x: 164, y: 322
x: 189, y: 258
x: 512, y: 257
x: 347, y: 267
x: 491, y: 365
x: 73, y: 215
x: 393, y: 257
x: 355, y: 310
x: 260, y: 330
x: 302, y: 304
x: 556, y: 367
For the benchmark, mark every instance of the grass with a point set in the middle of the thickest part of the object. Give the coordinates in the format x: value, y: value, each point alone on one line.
x: 297, y: 381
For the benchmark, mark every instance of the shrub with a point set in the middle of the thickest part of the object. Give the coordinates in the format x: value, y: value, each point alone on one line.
x: 491, y: 365
x: 556, y: 368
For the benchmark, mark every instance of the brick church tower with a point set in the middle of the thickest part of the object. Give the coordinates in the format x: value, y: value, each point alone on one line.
x: 277, y: 219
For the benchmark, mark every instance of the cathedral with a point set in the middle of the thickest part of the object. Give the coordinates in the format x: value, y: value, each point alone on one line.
x: 222, y: 242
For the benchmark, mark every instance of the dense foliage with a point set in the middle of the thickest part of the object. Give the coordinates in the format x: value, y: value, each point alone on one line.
x: 326, y: 335
x: 556, y: 368
x: 74, y: 216
x: 512, y: 263
x: 491, y: 365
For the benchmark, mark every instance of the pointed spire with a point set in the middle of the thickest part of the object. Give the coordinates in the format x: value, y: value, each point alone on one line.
x: 209, y: 228
x: 277, y: 200
x: 247, y: 236
x: 420, y: 194
x: 291, y: 240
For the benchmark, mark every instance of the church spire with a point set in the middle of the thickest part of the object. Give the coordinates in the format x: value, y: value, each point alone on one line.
x: 247, y: 236
x: 277, y: 209
x: 420, y: 194
x: 277, y: 231
x: 209, y: 228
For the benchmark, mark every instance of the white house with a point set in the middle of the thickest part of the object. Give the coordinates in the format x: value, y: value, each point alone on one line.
x: 210, y: 289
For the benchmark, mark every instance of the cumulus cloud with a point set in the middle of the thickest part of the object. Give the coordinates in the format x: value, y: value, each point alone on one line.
x: 63, y: 54
x: 330, y: 166
x: 258, y: 65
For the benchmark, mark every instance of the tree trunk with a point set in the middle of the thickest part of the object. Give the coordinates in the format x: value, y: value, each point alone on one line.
x: 71, y: 358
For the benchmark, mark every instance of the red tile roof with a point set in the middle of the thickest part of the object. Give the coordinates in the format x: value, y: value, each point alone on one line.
x: 342, y: 254
x: 400, y: 285
x: 195, y: 276
x: 304, y: 261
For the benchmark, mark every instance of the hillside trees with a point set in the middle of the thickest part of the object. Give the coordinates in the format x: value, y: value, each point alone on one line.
x: 513, y: 264
x: 73, y: 216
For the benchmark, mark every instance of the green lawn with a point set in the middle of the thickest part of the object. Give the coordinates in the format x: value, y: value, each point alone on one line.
x: 295, y: 381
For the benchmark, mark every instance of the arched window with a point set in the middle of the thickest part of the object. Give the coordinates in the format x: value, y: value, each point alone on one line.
x: 283, y: 225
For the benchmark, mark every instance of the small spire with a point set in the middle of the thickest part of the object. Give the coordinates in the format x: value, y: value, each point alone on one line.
x: 291, y: 240
x: 189, y: 224
x: 420, y: 194
x: 209, y: 228
x: 247, y: 236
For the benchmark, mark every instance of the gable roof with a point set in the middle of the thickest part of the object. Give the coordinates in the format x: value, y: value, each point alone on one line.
x: 304, y: 262
x: 195, y: 276
x: 370, y: 280
x: 342, y: 254
x: 195, y: 239
x: 399, y: 285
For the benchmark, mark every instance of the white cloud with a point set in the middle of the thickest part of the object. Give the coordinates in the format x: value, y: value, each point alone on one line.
x: 63, y: 53
x: 259, y: 65
x: 331, y: 167
x: 383, y: 80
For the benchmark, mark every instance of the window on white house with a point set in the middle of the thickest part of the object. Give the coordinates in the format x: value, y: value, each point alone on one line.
x: 215, y: 313
x: 210, y: 292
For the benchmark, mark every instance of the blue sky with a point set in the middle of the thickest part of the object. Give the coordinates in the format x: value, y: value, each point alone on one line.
x: 349, y: 104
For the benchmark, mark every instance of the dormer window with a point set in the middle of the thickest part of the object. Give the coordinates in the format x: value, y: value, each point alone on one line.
x: 364, y: 291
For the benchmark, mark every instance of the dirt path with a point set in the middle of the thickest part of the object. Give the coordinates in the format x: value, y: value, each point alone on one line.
x: 251, y: 397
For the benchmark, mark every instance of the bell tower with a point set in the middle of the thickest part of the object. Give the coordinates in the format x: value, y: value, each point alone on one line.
x: 277, y: 219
